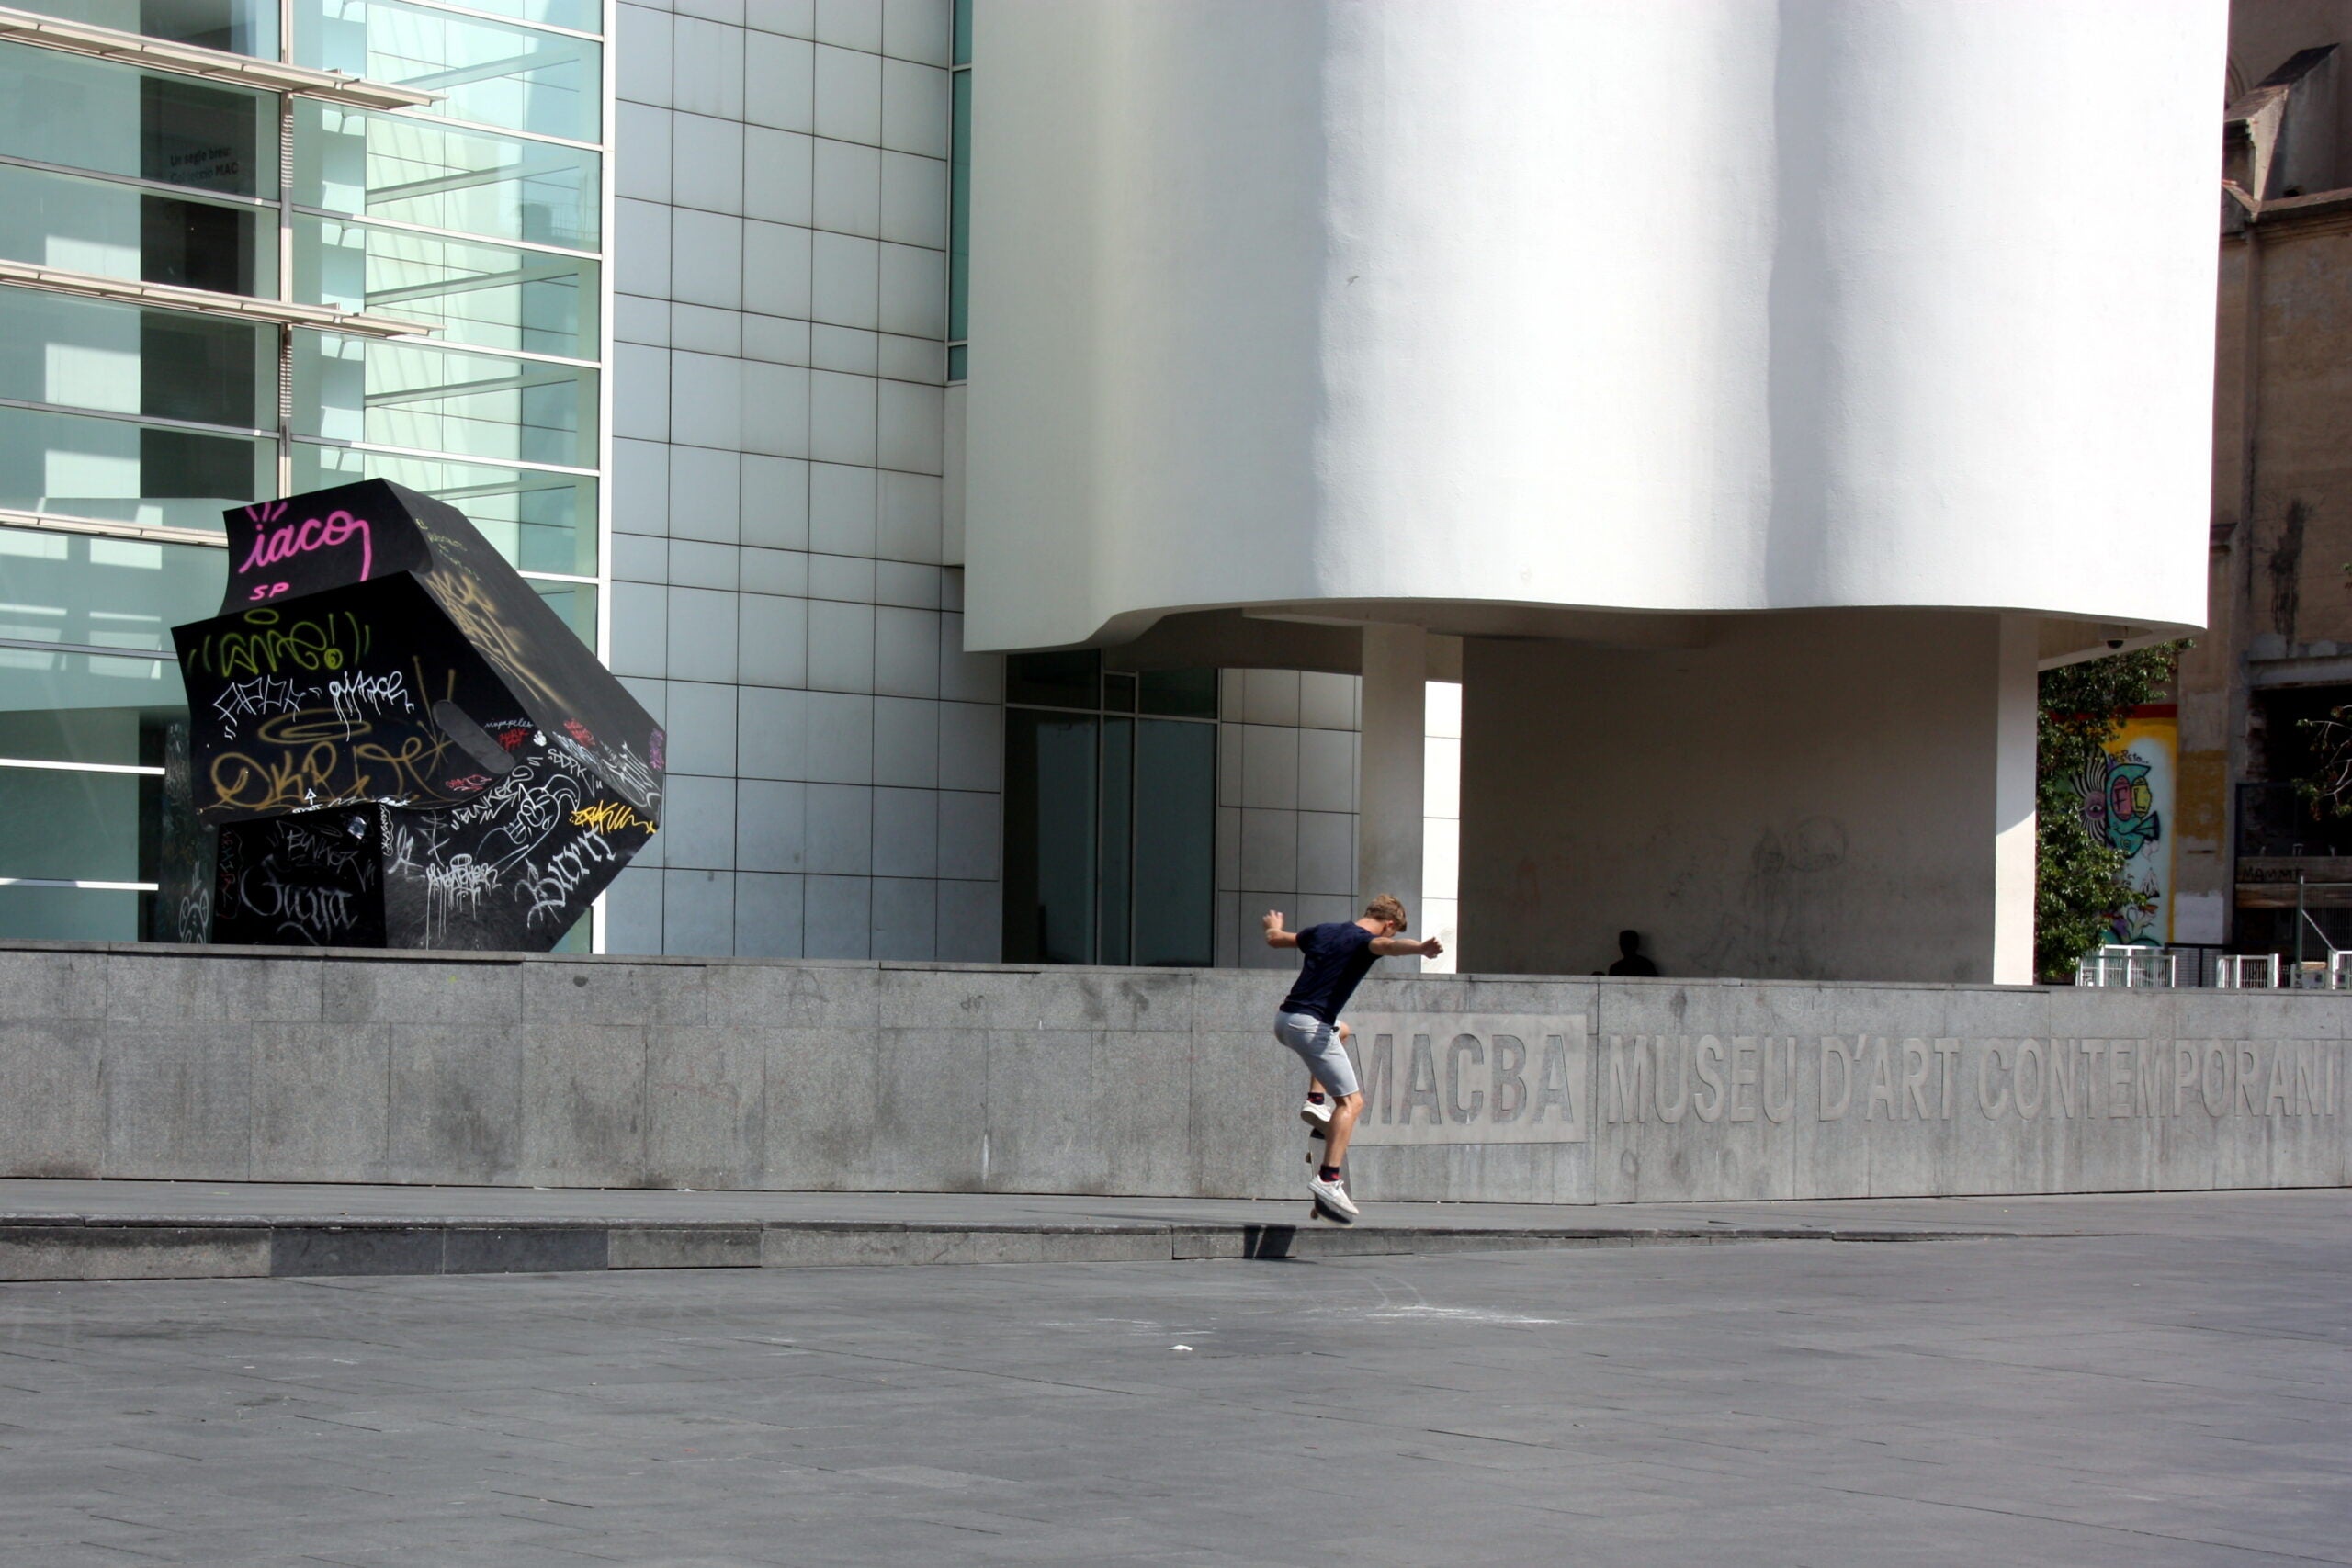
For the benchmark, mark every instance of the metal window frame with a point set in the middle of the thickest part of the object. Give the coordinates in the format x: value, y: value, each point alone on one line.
x: 140, y: 769
x: 211, y: 64
x: 141, y: 183
x: 1135, y: 826
x: 280, y: 312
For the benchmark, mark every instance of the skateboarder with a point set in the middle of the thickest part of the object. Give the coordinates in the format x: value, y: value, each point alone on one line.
x: 1337, y: 956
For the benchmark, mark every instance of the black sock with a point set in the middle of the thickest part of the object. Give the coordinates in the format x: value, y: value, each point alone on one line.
x: 1313, y: 1098
x: 1329, y: 1172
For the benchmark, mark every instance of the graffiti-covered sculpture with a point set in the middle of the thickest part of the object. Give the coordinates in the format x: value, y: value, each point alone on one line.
x: 400, y: 743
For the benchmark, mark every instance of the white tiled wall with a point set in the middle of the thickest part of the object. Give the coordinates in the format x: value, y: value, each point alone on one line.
x: 1286, y: 810
x: 779, y: 601
x: 1286, y: 806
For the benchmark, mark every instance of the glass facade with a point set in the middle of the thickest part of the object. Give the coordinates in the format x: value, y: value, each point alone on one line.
x: 1110, y: 813
x: 127, y: 425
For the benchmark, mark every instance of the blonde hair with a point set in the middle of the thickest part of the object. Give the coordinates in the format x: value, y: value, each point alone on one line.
x: 1387, y: 907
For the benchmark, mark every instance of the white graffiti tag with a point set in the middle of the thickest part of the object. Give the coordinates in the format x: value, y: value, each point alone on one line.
x: 566, y: 871
x: 357, y: 696
x: 258, y: 698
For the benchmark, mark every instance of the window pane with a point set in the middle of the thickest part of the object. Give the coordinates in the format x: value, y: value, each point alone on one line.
x: 1175, y: 841
x: 102, y: 592
x: 415, y: 171
x: 958, y: 361
x: 580, y: 16
x: 1049, y: 781
x: 478, y: 293
x: 963, y: 44
x: 77, y: 466
x: 1071, y: 680
x: 90, y: 114
x: 83, y: 707
x: 70, y: 914
x: 959, y: 210
x: 55, y: 348
x: 1118, y: 828
x: 69, y: 827
x: 241, y: 26
x: 540, y: 522
x: 118, y: 230
x: 1182, y: 694
x: 575, y: 602
x: 492, y: 72
x: 431, y: 400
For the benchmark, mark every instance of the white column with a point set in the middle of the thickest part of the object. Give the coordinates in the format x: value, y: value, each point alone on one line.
x: 1389, y: 791
x: 1442, y: 826
x: 2014, y: 857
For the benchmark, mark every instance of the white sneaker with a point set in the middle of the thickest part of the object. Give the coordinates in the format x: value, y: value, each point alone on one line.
x: 1316, y: 1117
x: 1331, y: 1200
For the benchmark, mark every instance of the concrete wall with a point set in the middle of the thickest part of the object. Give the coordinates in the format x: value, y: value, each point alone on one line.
x: 190, y: 1064
x: 1809, y: 797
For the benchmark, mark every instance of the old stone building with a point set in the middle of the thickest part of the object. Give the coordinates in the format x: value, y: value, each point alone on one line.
x: 2275, y: 659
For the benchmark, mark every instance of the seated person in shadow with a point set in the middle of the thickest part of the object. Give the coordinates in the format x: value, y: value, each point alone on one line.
x: 1630, y: 960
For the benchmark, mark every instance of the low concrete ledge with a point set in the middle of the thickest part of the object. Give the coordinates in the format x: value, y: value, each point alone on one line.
x: 84, y: 1248
x: 40, y: 1251
x: 127, y: 1061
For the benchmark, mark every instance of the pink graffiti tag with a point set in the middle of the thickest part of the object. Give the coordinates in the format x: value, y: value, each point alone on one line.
x: 580, y: 732
x: 654, y: 749
x: 272, y: 545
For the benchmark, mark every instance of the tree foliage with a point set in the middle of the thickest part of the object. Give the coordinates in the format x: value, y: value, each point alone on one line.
x: 2328, y: 790
x: 2079, y: 885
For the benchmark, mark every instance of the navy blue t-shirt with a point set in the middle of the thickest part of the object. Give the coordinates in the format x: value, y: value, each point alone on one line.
x: 1337, y: 956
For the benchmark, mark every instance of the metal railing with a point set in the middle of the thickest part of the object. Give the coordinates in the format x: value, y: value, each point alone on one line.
x: 2145, y: 967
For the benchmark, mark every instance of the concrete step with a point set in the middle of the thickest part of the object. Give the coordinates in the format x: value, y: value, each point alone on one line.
x: 35, y: 1247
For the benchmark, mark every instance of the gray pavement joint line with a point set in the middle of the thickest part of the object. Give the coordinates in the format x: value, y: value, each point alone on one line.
x: 2085, y: 1524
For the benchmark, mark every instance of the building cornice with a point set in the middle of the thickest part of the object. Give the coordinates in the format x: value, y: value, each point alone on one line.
x: 2321, y: 212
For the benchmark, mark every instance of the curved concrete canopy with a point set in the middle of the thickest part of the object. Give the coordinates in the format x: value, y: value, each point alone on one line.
x: 1723, y: 305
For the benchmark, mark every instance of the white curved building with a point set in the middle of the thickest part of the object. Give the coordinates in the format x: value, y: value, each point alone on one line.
x: 1760, y: 391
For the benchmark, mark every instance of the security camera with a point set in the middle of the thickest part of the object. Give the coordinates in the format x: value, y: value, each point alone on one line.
x: 2115, y: 642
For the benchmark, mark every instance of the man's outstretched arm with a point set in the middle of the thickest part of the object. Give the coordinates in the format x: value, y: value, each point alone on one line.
x: 1275, y: 935
x: 1397, y: 947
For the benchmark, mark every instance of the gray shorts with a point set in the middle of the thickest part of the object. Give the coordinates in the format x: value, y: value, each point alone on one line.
x: 1318, y: 1044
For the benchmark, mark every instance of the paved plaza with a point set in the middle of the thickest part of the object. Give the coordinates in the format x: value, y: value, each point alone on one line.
x: 2147, y: 1381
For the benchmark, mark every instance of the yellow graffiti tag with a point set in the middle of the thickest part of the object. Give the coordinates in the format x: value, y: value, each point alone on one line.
x: 247, y: 784
x: 609, y: 817
x: 272, y: 647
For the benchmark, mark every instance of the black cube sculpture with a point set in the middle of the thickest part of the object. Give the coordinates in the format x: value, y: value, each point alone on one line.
x: 400, y: 743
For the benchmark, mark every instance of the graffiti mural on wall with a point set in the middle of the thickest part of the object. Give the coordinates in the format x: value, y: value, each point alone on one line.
x: 2127, y: 800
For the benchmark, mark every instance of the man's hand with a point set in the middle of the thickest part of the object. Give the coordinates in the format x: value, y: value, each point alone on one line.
x: 1275, y: 935
x: 1397, y: 947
